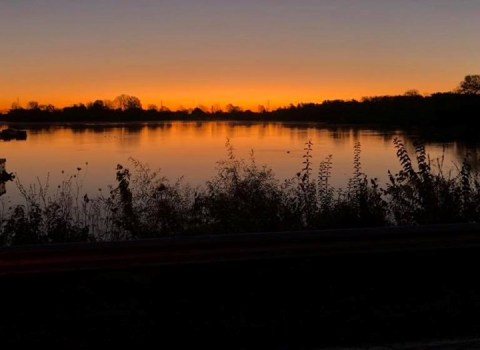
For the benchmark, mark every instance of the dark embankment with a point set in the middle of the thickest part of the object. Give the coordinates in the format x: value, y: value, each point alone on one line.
x: 296, y: 290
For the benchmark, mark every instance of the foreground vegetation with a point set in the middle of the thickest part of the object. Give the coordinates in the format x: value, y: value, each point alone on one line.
x: 245, y: 197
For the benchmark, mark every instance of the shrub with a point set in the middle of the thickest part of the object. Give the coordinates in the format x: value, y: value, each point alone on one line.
x: 244, y: 197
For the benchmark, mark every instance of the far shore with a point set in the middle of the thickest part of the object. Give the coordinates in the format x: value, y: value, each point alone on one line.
x: 450, y: 113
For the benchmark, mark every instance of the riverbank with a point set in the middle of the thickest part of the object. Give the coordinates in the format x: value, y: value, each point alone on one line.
x: 441, y: 111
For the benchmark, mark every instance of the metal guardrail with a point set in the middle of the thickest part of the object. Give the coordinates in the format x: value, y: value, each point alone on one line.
x: 236, y: 247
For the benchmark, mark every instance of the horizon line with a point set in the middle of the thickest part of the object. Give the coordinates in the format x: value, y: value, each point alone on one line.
x: 218, y: 107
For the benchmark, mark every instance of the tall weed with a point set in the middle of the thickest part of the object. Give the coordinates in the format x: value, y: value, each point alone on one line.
x: 243, y: 197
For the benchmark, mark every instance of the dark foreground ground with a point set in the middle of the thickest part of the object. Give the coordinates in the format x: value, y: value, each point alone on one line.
x: 414, y: 288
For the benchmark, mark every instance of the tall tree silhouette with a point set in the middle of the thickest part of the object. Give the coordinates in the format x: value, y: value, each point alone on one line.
x: 470, y: 85
x: 127, y: 102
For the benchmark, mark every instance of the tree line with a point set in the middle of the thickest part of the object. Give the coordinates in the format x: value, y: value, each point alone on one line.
x: 458, y: 108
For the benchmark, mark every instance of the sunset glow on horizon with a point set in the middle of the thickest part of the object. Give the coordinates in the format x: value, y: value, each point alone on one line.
x: 183, y: 54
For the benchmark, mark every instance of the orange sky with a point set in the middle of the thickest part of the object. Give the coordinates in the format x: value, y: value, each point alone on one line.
x: 189, y: 53
x: 244, y: 92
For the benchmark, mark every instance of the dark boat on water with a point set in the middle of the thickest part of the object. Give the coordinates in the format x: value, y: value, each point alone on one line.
x: 13, y: 134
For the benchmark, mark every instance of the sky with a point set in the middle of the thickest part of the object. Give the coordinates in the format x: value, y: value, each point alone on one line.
x: 185, y: 53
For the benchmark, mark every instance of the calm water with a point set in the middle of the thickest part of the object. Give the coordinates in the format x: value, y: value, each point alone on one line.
x: 191, y: 150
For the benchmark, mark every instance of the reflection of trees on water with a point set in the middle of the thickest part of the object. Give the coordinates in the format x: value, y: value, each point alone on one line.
x: 340, y: 134
x: 468, y: 151
x: 131, y: 134
x: 457, y: 152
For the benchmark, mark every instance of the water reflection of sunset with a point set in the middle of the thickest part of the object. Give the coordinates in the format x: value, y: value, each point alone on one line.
x: 192, y: 150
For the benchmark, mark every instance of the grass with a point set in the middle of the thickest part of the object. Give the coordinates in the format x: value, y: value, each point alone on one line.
x: 243, y: 197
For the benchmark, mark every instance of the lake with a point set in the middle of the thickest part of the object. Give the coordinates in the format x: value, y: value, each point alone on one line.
x: 192, y: 149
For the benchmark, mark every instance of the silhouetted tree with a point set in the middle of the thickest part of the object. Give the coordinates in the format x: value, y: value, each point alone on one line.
x: 215, y: 109
x: 32, y: 105
x: 262, y: 109
x: 197, y: 112
x: 97, y: 105
x: 15, y: 105
x: 47, y: 108
x: 163, y: 109
x: 470, y: 85
x: 127, y: 102
x: 412, y: 92
x: 232, y: 108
